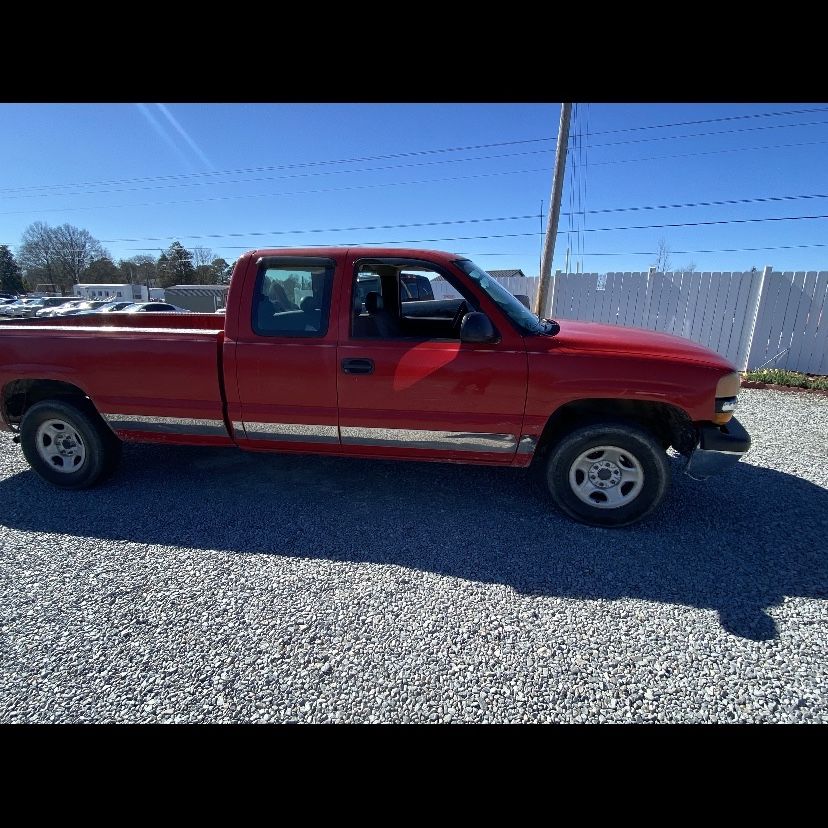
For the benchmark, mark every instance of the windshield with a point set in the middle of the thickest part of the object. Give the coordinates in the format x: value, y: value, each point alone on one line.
x: 513, y: 308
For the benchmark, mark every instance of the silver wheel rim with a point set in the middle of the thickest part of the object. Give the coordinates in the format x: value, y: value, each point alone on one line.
x: 60, y: 445
x: 606, y: 477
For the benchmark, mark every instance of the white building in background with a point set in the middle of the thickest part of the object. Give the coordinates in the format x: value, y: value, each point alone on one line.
x: 129, y: 293
x: 200, y: 298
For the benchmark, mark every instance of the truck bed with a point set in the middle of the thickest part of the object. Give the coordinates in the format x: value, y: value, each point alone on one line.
x: 153, y: 377
x: 191, y: 321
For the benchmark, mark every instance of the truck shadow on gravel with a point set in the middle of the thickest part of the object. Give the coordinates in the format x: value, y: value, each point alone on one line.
x: 738, y: 544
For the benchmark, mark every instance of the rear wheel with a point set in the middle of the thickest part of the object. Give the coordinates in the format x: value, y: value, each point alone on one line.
x: 608, y: 474
x: 67, y: 445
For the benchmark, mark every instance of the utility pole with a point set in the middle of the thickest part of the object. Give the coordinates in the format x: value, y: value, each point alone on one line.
x: 554, y: 210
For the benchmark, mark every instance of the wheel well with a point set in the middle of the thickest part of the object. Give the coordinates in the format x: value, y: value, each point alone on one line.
x: 20, y: 395
x: 670, y: 425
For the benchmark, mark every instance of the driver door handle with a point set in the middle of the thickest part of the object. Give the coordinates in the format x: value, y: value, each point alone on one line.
x: 358, y: 366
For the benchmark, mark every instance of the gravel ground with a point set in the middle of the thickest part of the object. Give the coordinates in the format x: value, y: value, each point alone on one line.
x: 208, y: 585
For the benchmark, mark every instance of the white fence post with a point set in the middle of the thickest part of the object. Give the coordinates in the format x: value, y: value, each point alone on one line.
x: 552, y: 288
x: 754, y: 300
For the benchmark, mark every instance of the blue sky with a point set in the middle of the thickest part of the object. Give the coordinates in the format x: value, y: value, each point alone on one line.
x: 138, y: 175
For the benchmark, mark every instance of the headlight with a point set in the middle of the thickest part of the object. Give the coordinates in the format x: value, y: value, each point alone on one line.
x: 726, y: 400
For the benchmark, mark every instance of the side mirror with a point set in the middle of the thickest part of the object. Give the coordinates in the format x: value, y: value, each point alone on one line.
x: 477, y: 327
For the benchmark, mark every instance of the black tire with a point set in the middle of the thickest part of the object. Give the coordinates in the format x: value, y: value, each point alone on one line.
x: 638, y: 457
x: 96, y: 451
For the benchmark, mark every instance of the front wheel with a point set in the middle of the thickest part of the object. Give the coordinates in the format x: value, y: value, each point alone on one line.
x: 608, y: 474
x: 68, y: 446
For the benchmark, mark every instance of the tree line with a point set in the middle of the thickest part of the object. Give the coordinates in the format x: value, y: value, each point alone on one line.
x: 52, y: 259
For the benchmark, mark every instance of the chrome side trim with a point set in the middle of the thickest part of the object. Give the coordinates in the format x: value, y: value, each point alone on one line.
x: 416, y: 438
x: 292, y: 432
x: 104, y: 329
x: 238, y: 428
x: 527, y: 444
x: 166, y: 425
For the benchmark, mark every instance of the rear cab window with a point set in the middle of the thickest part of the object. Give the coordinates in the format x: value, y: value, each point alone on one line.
x: 292, y: 297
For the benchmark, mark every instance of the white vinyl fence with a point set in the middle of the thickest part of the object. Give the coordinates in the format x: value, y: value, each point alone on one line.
x: 793, y: 322
x: 521, y: 285
x: 750, y: 318
x: 516, y: 285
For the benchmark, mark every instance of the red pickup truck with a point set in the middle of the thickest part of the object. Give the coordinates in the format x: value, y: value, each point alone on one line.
x: 305, y: 360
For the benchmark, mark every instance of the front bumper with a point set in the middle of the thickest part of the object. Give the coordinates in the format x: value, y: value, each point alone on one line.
x: 718, y: 449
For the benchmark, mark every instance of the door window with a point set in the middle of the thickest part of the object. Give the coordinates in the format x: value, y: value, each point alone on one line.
x: 393, y: 299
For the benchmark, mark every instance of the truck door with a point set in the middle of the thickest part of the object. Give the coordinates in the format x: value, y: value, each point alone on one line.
x: 284, y: 354
x: 407, y: 386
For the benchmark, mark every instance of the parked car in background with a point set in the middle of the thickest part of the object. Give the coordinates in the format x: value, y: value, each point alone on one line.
x: 153, y: 307
x: 7, y: 308
x: 28, y: 309
x: 83, y: 306
x: 23, y: 308
x: 52, y: 302
x: 107, y: 307
x: 56, y: 309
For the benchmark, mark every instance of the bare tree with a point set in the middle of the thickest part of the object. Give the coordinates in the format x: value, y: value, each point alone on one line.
x: 204, y: 274
x: 690, y: 267
x: 202, y: 256
x: 663, y: 260
x: 139, y: 269
x: 75, y: 249
x: 58, y: 255
x: 36, y: 253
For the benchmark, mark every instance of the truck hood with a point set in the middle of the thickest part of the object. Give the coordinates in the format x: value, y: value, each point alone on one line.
x: 594, y: 337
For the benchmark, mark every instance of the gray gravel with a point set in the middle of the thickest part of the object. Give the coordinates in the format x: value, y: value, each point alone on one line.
x: 208, y: 585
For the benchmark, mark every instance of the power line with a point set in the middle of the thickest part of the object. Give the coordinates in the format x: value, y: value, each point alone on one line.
x: 395, y: 183
x: 716, y: 203
x: 707, y: 134
x: 576, y: 142
x: 716, y: 120
x: 505, y: 218
x: 287, y: 177
x: 704, y: 223
x: 524, y: 253
x: 414, y: 153
x: 719, y: 250
x: 272, y: 167
x: 639, y: 253
x: 487, y: 219
x: 563, y: 232
x: 709, y: 152
x: 352, y: 187
x: 324, y: 230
